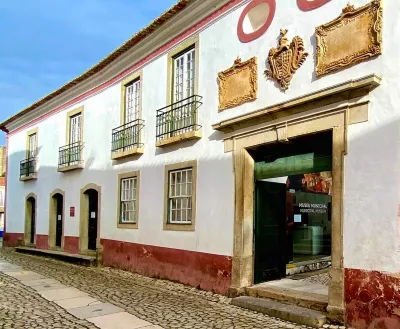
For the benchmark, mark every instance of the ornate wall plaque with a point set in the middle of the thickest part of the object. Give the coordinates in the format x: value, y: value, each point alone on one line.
x: 285, y: 60
x: 238, y: 84
x: 355, y: 36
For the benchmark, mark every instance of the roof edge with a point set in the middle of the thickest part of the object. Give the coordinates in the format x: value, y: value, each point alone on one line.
x: 136, y: 38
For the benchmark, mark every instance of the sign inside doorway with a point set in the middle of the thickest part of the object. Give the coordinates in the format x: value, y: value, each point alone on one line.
x: 72, y: 211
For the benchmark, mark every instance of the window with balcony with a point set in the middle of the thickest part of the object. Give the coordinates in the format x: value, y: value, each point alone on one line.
x: 70, y: 155
x: 28, y: 165
x: 126, y: 139
x: 179, y: 120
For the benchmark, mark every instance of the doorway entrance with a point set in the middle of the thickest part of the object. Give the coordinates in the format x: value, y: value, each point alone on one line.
x: 293, y: 205
x: 59, y: 201
x: 30, y: 221
x: 93, y: 199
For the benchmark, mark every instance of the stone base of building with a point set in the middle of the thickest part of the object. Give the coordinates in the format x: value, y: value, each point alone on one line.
x: 372, y: 299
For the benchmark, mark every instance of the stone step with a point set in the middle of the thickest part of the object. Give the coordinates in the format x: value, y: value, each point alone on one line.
x: 84, y: 260
x: 306, y: 299
x: 282, y: 311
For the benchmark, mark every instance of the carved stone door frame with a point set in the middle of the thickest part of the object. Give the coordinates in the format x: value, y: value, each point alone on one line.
x: 335, y: 114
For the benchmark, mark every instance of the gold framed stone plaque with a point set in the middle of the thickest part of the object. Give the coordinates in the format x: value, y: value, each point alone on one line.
x: 238, y: 84
x: 353, y: 37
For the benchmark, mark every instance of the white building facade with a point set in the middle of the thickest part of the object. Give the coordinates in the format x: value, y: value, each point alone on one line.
x: 149, y: 159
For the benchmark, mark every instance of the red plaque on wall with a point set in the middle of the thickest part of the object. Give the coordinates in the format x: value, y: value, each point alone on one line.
x: 72, y: 211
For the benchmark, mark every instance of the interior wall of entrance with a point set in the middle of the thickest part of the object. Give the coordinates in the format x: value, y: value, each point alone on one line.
x: 56, y: 219
x: 89, y: 215
x: 30, y: 219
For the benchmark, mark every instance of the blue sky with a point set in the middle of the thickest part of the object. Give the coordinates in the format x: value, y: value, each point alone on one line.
x: 46, y: 43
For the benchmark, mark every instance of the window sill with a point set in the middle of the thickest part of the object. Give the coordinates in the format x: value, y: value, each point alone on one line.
x: 123, y: 154
x: 128, y: 226
x: 176, y: 139
x: 70, y: 168
x: 179, y: 227
x: 27, y: 178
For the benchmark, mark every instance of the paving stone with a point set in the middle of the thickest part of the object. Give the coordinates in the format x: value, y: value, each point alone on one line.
x: 62, y: 293
x: 77, y: 302
x: 93, y: 311
x: 160, y: 302
x: 121, y: 320
x: 40, y: 282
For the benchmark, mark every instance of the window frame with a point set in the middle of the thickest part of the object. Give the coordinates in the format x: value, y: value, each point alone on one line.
x: 121, y: 177
x: 189, y: 44
x: 138, y: 76
x: 71, y: 114
x: 174, y: 226
x: 28, y: 144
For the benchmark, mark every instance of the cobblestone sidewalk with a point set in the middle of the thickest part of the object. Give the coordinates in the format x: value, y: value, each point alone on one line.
x: 22, y: 307
x: 167, y: 304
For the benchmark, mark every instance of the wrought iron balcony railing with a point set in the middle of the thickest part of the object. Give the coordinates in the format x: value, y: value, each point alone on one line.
x: 178, y: 118
x: 127, y: 136
x: 27, y: 167
x: 70, y: 155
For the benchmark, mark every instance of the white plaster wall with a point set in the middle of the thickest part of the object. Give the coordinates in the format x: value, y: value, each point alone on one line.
x: 371, y: 227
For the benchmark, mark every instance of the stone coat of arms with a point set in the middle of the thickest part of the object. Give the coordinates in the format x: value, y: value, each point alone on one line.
x: 285, y: 60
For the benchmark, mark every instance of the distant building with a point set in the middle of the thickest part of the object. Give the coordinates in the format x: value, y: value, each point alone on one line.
x: 2, y: 186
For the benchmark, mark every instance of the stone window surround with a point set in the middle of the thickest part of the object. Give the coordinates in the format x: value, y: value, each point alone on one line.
x: 132, y: 77
x: 28, y: 134
x: 79, y: 110
x: 182, y: 165
x: 189, y: 43
x: 132, y: 174
x: 333, y: 108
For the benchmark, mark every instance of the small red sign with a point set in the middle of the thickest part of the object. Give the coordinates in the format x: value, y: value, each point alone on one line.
x: 72, y: 211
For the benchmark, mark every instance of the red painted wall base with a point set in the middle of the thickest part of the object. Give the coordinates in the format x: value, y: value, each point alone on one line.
x: 71, y: 244
x: 372, y: 299
x: 205, y: 271
x: 11, y: 239
x: 42, y: 241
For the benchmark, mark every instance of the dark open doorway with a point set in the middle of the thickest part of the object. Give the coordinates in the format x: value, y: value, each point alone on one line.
x: 59, y: 205
x: 292, y: 204
x: 93, y: 199
x: 32, y: 218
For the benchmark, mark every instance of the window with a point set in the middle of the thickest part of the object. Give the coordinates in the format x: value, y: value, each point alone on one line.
x: 184, y: 75
x: 180, y: 196
x: 132, y: 101
x: 32, y: 146
x: 128, y: 195
x: 75, y: 132
x: 128, y: 200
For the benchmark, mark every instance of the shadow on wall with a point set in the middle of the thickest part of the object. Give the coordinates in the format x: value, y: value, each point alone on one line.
x: 208, y: 271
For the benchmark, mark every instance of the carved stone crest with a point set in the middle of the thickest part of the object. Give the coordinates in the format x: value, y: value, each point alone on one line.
x: 238, y: 84
x: 285, y: 60
x: 337, y: 44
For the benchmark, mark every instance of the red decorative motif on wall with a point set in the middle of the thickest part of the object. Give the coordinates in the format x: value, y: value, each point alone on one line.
x: 307, y: 5
x: 372, y: 299
x: 247, y: 37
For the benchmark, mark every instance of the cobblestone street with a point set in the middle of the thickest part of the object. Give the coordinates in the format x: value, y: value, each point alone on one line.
x: 167, y: 304
x: 21, y: 307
